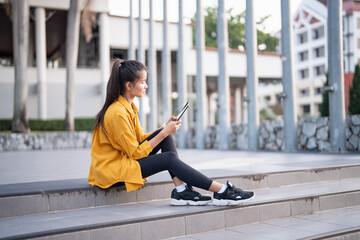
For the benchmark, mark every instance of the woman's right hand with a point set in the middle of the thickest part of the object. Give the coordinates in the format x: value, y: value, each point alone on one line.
x: 171, y: 127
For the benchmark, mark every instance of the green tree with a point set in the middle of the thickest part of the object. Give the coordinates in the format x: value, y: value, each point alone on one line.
x: 324, y: 107
x: 354, y: 106
x: 236, y: 31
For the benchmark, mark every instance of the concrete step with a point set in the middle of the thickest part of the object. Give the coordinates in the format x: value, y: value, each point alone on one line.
x: 43, y: 197
x: 338, y: 224
x: 156, y: 219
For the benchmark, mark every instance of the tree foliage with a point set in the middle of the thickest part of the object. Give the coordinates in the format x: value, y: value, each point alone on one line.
x: 354, y: 105
x: 236, y: 31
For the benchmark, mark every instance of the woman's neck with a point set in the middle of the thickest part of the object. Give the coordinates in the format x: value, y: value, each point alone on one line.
x: 128, y: 98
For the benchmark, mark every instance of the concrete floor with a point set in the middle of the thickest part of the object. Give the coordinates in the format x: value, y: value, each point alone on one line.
x: 49, y: 165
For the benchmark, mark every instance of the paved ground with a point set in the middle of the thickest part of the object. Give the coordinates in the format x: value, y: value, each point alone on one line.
x: 47, y: 165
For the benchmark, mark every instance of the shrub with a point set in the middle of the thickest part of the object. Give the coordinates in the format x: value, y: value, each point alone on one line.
x: 81, y: 124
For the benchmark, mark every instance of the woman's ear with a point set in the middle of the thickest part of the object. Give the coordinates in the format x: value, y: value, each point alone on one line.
x: 128, y: 86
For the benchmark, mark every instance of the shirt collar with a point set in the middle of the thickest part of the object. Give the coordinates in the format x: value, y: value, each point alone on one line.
x: 131, y: 108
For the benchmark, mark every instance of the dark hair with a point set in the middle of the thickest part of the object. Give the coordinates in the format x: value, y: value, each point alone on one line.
x: 122, y: 71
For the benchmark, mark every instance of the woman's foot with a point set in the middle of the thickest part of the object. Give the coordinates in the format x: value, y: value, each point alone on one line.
x: 232, y: 196
x: 188, y: 197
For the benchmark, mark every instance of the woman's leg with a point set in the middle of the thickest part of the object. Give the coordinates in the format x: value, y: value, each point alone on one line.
x: 223, y: 194
x: 169, y: 161
x: 166, y: 145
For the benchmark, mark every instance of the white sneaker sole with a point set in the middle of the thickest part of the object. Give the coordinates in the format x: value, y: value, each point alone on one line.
x: 226, y: 202
x: 181, y: 202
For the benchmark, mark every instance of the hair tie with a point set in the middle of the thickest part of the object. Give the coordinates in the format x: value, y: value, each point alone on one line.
x: 122, y: 63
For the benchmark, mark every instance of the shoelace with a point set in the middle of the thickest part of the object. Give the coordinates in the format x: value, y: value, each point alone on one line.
x: 191, y: 188
x: 236, y: 190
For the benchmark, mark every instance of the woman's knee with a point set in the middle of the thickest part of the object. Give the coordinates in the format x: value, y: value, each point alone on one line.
x: 171, y: 157
x: 169, y: 139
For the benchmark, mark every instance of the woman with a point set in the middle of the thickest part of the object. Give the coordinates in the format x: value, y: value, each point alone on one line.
x: 121, y: 152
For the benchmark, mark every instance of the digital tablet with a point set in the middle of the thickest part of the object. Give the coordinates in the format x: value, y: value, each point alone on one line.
x: 186, y: 106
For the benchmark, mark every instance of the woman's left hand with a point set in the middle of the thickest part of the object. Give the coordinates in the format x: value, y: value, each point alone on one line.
x: 172, y: 118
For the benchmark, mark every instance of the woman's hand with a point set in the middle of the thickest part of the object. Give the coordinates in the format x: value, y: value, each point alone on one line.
x: 172, y: 126
x: 172, y: 118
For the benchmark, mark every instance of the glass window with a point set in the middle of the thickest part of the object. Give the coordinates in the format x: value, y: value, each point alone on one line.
x: 303, y: 56
x: 304, y: 92
x: 306, y: 108
x: 318, y: 91
x: 304, y: 73
x: 320, y: 70
x: 303, y: 38
x: 319, y: 52
x: 318, y: 33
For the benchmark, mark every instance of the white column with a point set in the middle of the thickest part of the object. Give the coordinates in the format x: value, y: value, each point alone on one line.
x: 212, y: 103
x: 152, y: 79
x: 223, y: 80
x: 201, y: 100
x: 166, y: 69
x: 244, y: 114
x: 141, y: 58
x: 237, y: 105
x: 252, y: 78
x: 104, y: 50
x: 336, y: 78
x: 131, y: 50
x: 20, y: 14
x: 290, y: 113
x: 191, y: 110
x: 181, y: 78
x: 40, y: 34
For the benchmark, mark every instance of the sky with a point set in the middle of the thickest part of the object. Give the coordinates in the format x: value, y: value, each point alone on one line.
x: 262, y: 8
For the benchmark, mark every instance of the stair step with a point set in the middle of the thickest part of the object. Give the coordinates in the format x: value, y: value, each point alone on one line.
x: 157, y: 219
x: 42, y: 197
x: 343, y: 222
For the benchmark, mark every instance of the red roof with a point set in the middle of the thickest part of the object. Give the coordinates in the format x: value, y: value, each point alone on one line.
x: 349, y: 6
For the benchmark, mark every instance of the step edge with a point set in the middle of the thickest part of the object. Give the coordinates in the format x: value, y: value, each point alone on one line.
x: 335, y: 233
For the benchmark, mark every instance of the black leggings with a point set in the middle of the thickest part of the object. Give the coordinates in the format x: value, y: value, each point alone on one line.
x: 168, y: 160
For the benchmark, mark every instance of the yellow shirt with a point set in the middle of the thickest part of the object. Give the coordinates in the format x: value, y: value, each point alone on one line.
x: 114, y: 155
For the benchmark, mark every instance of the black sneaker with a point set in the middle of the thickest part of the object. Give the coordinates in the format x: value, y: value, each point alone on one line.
x: 188, y: 196
x: 232, y: 196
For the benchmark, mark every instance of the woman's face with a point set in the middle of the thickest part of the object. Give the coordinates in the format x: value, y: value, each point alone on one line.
x: 139, y: 89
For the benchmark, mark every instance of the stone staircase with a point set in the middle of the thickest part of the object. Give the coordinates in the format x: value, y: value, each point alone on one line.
x: 71, y: 209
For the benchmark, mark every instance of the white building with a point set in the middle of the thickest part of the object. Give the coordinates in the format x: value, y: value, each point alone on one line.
x: 88, y: 79
x: 310, y: 53
x: 310, y: 59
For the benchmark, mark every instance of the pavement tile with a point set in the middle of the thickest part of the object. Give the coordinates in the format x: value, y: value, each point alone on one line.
x: 267, y: 231
x: 160, y: 229
x: 125, y: 232
x: 220, y: 234
x: 316, y: 228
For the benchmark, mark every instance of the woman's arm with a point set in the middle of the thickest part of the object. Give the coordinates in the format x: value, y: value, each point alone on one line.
x: 171, y: 127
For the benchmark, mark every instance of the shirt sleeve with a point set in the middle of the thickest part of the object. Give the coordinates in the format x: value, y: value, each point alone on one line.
x: 139, y: 131
x: 122, y: 136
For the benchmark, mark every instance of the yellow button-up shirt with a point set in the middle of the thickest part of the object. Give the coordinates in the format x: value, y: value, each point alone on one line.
x: 114, y: 154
